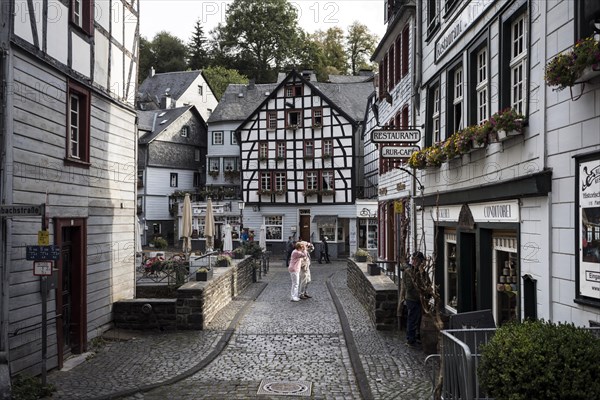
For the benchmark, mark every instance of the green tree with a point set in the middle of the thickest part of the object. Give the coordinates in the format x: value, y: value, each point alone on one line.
x: 333, y: 47
x: 265, y: 30
x: 219, y: 77
x: 360, y: 43
x: 166, y: 53
x: 198, y: 55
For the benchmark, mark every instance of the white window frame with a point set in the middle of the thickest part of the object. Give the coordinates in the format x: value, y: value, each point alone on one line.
x: 327, y: 180
x: 481, y: 90
x: 273, y: 227
x: 75, y: 125
x: 217, y: 137
x: 280, y: 181
x: 518, y: 64
x: 458, y: 98
x: 185, y: 131
x: 174, y: 179
x: 312, y: 180
x: 435, y: 116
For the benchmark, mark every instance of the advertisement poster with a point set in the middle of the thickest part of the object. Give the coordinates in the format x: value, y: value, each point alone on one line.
x: 589, y: 219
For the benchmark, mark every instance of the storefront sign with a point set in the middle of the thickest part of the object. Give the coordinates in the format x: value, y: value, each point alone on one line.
x: 459, y: 26
x: 396, y: 136
x: 447, y: 213
x: 506, y: 211
x: 588, y: 215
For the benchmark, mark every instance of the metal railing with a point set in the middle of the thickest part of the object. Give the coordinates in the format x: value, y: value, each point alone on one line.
x: 460, y: 357
x: 174, y: 271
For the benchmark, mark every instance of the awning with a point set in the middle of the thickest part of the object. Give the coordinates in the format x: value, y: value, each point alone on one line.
x: 325, y: 220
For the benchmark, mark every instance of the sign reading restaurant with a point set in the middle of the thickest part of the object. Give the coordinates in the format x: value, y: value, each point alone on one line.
x: 396, y: 136
x: 459, y: 26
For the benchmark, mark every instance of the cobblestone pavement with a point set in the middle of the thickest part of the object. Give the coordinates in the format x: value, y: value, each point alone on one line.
x: 275, y: 339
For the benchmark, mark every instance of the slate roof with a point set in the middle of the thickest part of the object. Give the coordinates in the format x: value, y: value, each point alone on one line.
x: 156, y: 121
x: 178, y: 82
x: 351, y: 97
x: 350, y: 78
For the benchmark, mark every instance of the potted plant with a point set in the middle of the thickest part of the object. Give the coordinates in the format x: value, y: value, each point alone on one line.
x: 239, y: 253
x: 579, y: 64
x: 361, y: 255
x: 204, y: 274
x: 223, y: 260
x: 435, y: 155
x: 373, y: 269
x: 160, y: 243
x: 507, y: 122
x: 418, y: 159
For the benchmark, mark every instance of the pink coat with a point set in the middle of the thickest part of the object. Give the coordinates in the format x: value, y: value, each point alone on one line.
x: 296, y: 260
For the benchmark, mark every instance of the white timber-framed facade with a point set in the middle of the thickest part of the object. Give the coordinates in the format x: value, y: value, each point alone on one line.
x: 69, y: 139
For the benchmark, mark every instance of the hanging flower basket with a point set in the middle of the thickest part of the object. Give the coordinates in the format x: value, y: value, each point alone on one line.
x: 567, y: 69
x: 589, y: 73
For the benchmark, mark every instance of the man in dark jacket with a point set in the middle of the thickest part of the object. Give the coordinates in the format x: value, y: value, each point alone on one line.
x: 324, y: 251
x: 410, y: 294
x: 289, y: 248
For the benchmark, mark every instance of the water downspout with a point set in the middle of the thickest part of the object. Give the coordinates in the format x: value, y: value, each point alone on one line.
x: 416, y: 99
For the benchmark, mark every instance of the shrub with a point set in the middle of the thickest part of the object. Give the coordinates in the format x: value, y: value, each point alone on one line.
x: 252, y: 249
x: 160, y: 243
x: 541, y: 360
x: 30, y: 388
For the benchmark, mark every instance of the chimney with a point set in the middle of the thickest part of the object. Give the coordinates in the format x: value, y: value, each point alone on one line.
x: 366, y: 72
x: 151, y: 72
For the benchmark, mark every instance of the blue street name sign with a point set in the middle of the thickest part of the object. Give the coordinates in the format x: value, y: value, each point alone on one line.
x: 42, y: 253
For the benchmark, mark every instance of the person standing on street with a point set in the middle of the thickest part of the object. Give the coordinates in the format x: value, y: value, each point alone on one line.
x: 305, y: 277
x: 298, y: 255
x: 410, y: 295
x: 324, y: 250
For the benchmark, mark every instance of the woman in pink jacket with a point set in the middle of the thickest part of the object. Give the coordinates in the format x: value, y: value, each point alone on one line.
x: 298, y: 255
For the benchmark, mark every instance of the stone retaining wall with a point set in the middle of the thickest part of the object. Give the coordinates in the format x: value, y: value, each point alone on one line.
x: 196, y: 303
x: 378, y: 294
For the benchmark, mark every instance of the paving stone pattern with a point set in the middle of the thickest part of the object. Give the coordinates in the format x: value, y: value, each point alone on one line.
x: 275, y: 339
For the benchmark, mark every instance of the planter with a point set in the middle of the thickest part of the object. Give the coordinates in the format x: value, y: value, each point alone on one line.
x: 202, y: 276
x: 374, y: 269
x: 222, y: 263
x: 475, y: 145
x: 360, y: 258
x: 503, y: 135
x: 238, y: 256
x: 589, y: 73
x: 429, y: 335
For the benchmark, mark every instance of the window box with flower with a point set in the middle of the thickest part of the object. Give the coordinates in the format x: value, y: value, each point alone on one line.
x: 264, y: 192
x: 223, y: 260
x: 507, y: 123
x: 435, y: 155
x: 479, y: 135
x: 327, y: 192
x: 279, y: 192
x: 310, y: 192
x: 292, y: 126
x: 279, y: 158
x: 326, y: 156
x: 263, y: 159
x: 578, y: 65
x: 214, y: 173
x: 231, y: 174
x: 418, y: 159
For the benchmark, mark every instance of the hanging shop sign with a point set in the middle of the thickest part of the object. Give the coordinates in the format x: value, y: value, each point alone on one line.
x: 396, y: 136
x: 588, y: 217
x: 398, y: 152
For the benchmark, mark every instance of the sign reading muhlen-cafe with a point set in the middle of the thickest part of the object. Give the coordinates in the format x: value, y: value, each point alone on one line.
x: 396, y: 136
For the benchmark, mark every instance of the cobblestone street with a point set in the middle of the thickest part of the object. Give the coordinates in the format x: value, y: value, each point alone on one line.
x: 275, y: 339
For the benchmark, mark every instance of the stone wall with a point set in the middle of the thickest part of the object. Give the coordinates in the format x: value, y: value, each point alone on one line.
x: 196, y: 303
x: 378, y: 294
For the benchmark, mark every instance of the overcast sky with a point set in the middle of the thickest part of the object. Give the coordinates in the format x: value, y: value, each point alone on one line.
x: 178, y: 17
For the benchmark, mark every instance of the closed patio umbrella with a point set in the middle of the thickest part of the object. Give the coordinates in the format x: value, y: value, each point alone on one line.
x: 209, y: 226
x: 227, y: 239
x: 262, y: 239
x: 186, y: 224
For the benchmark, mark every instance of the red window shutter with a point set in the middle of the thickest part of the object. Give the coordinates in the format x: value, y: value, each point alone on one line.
x: 405, y: 38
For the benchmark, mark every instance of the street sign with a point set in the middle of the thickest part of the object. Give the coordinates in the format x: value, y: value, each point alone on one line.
x: 396, y: 136
x: 398, y: 152
x: 43, y: 238
x: 25, y: 210
x: 42, y: 268
x: 41, y: 253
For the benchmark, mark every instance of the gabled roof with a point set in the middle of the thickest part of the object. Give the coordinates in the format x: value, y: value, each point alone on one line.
x: 350, y: 78
x: 240, y: 102
x: 156, y: 121
x: 156, y: 86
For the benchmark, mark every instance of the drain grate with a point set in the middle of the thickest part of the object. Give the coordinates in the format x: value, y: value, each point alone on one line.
x: 282, y: 388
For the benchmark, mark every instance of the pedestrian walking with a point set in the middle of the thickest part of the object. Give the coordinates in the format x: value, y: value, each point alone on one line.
x: 305, y: 277
x: 298, y: 255
x: 410, y: 294
x: 324, y: 250
x: 289, y: 247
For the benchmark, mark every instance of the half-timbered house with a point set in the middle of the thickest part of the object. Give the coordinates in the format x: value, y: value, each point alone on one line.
x: 68, y: 140
x: 299, y: 151
x: 172, y: 153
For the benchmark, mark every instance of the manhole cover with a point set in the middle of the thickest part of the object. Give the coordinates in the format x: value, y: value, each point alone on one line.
x: 295, y: 388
